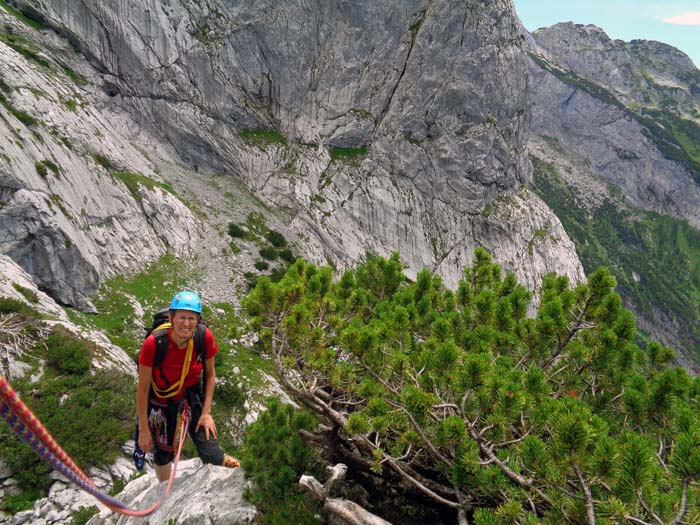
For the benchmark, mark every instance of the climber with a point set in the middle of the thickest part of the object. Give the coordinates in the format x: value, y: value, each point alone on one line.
x: 164, y: 387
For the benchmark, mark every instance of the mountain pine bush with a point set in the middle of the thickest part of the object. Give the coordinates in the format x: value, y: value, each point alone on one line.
x: 274, y: 456
x: 459, y: 398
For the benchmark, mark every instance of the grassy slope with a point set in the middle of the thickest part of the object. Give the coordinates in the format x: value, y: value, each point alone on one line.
x: 655, y: 259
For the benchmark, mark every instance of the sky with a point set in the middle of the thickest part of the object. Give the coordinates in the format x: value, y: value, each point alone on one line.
x: 673, y: 22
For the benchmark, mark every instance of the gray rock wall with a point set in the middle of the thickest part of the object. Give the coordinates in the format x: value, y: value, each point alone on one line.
x: 66, y: 218
x: 199, y: 494
x: 615, y: 146
x: 437, y: 93
x: 643, y: 72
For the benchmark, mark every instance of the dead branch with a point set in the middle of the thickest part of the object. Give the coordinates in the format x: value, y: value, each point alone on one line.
x: 16, y: 339
x: 684, y: 503
x: 343, y: 511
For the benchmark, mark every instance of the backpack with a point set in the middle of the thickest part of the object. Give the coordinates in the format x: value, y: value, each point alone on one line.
x: 161, y: 336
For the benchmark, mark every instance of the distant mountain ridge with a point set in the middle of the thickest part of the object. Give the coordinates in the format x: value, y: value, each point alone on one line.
x: 616, y: 146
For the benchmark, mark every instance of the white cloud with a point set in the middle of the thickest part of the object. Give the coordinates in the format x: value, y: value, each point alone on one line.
x: 686, y: 19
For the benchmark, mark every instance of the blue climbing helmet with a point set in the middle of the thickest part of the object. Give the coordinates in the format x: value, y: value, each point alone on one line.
x: 186, y: 301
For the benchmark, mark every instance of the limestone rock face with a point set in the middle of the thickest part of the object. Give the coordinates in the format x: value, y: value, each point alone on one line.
x: 13, y: 279
x: 199, y: 494
x: 79, y: 201
x: 644, y: 72
x: 615, y: 144
x: 17, y: 284
x: 396, y: 124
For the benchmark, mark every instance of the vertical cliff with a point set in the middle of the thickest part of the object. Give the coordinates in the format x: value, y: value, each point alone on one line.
x: 369, y: 127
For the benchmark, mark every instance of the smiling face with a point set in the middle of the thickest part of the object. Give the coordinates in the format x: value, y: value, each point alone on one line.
x: 184, y: 324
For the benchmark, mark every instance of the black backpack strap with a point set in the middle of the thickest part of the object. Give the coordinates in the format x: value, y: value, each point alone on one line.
x: 162, y: 343
x: 200, y: 348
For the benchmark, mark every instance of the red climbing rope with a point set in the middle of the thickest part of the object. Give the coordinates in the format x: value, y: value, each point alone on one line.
x: 28, y: 428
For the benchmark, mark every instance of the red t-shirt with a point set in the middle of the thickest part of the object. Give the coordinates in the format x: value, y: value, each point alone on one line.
x: 174, y: 359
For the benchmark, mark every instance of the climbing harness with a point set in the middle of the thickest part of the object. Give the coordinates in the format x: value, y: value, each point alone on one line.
x: 28, y: 428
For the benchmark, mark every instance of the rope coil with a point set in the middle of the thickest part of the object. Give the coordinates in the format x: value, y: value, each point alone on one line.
x: 28, y: 428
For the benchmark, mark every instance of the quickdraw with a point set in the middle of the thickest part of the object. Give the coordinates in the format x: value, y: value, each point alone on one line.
x: 28, y: 428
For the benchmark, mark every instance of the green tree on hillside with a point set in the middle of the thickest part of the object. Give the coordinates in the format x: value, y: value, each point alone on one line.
x: 459, y: 398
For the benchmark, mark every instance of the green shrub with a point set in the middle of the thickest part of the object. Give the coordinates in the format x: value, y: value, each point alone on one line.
x: 256, y: 224
x: 75, y: 77
x: 276, y: 239
x: 286, y: 255
x: 117, y: 487
x: 11, y: 306
x: 262, y: 137
x: 24, y: 117
x: 83, y: 515
x: 347, y: 154
x: 17, y: 503
x: 235, y: 231
x: 277, y: 274
x: 229, y: 394
x: 103, y: 161
x: 133, y: 180
x: 251, y: 279
x: 274, y: 456
x: 52, y: 166
x: 40, y: 168
x: 42, y: 165
x: 68, y: 353
x: 269, y: 253
x: 261, y: 265
x: 28, y: 294
x: 71, y: 104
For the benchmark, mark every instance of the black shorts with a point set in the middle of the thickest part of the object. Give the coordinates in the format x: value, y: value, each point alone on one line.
x: 163, y: 420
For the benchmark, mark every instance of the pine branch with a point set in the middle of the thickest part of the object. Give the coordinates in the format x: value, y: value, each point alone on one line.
x: 433, y: 449
x: 320, y: 407
x: 521, y: 480
x: 417, y: 485
x: 578, y: 324
x: 684, y: 503
x: 511, y: 441
x: 636, y: 521
x: 660, y: 456
x: 379, y: 379
x: 522, y: 360
x: 590, y: 508
x: 646, y: 507
x: 569, y: 493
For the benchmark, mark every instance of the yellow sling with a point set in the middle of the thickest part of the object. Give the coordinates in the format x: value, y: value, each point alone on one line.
x: 175, y: 388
